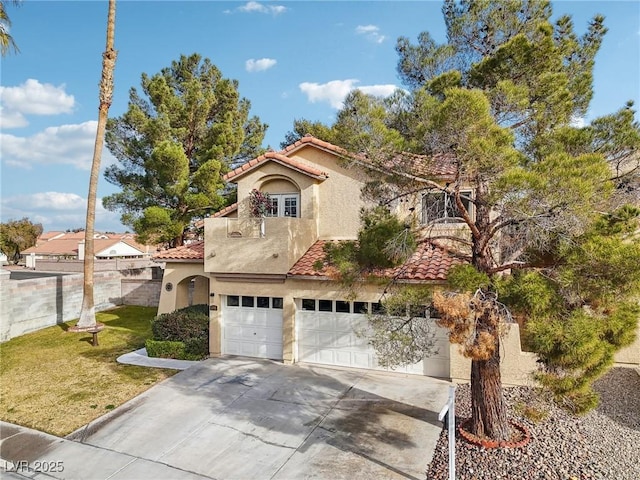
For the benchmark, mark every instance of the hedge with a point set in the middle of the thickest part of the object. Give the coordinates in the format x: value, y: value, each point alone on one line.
x: 188, y: 327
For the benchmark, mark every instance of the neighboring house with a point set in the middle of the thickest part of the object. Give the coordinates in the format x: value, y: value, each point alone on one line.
x: 269, y: 295
x: 60, y: 245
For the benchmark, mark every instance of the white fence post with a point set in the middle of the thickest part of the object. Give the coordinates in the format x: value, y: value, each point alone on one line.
x: 450, y: 408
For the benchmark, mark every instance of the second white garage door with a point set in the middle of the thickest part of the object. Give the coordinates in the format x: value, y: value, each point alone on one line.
x: 252, y: 326
x: 327, y: 334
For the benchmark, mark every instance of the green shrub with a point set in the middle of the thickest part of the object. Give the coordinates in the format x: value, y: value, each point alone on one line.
x: 176, y: 350
x: 187, y: 327
x: 182, y: 324
x: 163, y: 349
x: 197, y: 347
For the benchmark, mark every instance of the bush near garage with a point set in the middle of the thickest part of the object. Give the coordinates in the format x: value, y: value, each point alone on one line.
x: 182, y: 334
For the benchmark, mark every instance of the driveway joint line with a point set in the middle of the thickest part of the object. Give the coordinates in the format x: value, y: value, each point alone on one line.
x: 322, y: 419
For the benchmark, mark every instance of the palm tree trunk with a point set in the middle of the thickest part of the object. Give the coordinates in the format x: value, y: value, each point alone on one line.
x: 87, y: 313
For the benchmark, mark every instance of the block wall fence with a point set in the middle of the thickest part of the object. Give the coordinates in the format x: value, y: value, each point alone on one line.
x: 29, y: 305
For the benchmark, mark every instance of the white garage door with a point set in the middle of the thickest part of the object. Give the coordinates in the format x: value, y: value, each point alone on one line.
x: 252, y: 326
x: 327, y: 334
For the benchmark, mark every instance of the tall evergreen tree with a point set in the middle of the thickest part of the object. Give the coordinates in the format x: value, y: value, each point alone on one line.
x: 500, y: 99
x: 174, y: 146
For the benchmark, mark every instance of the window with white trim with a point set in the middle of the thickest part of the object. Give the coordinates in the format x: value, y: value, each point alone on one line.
x: 284, y: 205
x: 441, y: 206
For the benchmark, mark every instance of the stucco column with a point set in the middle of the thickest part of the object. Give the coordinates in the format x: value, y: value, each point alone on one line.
x: 288, y: 330
x: 215, y: 332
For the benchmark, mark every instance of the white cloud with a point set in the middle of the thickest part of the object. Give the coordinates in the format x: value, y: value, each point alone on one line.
x: 371, y: 33
x: 378, y: 90
x: 58, y: 211
x: 35, y: 98
x: 259, y: 65
x: 65, y: 144
x: 335, y: 91
x: 256, y: 7
x: 11, y: 119
x: 332, y: 92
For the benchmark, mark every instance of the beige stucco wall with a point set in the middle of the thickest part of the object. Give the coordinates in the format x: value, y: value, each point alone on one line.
x: 516, y: 366
x: 175, y: 273
x: 339, y: 199
x: 630, y: 356
x: 285, y: 241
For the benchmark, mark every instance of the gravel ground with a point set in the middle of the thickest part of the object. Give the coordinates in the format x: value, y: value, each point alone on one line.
x: 604, y: 444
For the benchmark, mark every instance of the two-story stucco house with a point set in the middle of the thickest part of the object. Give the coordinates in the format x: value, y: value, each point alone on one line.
x: 267, y: 296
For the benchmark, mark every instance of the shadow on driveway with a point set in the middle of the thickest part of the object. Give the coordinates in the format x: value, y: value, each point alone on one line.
x: 248, y: 418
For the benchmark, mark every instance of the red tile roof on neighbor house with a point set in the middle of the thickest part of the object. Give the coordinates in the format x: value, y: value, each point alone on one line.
x: 278, y: 158
x: 193, y: 251
x: 55, y: 247
x: 68, y: 246
x: 428, y: 263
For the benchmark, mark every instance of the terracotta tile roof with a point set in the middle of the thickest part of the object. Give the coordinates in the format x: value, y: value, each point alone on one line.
x: 311, y: 140
x: 58, y: 246
x: 440, y: 166
x: 435, y: 166
x: 225, y: 211
x: 278, y: 158
x: 193, y: 251
x: 69, y: 246
x: 428, y: 263
x: 45, y: 236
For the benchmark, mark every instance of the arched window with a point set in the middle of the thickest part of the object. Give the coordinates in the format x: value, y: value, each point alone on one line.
x: 285, y: 198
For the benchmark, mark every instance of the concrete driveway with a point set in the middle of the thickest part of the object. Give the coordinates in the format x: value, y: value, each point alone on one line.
x: 239, y: 418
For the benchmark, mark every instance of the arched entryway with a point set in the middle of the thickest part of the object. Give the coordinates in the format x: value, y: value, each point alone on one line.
x: 192, y: 290
x: 183, y: 284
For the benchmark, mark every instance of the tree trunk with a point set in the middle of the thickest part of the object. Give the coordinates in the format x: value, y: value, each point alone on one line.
x: 488, y: 409
x: 87, y: 313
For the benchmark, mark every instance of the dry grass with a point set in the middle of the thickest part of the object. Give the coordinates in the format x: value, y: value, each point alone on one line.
x: 56, y: 381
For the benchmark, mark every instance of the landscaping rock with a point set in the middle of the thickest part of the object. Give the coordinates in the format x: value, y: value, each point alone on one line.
x: 603, y: 445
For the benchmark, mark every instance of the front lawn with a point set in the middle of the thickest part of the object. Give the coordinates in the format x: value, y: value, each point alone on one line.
x: 56, y: 381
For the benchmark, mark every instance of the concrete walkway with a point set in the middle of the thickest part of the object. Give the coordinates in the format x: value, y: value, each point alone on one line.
x: 140, y: 357
x: 239, y: 418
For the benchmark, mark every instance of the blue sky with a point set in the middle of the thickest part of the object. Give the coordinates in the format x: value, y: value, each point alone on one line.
x: 292, y: 60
